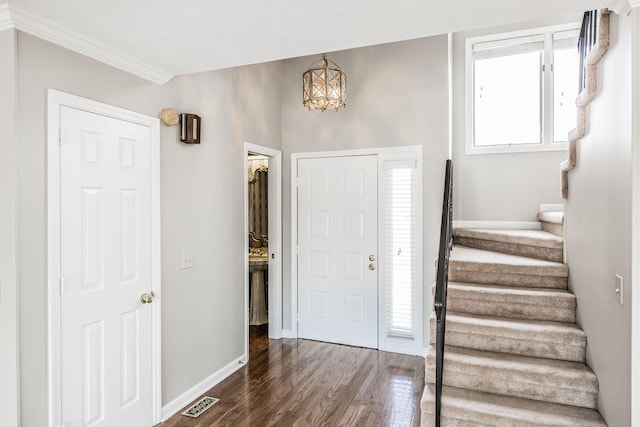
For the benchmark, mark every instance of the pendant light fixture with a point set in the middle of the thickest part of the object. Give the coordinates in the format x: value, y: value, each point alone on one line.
x: 324, y: 86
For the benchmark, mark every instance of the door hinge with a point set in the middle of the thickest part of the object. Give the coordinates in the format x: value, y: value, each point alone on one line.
x: 61, y: 285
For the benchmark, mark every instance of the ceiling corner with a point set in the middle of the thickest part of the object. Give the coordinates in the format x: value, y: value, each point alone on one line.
x: 11, y: 17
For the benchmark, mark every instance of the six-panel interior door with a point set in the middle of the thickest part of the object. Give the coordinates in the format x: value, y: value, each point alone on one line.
x: 337, y: 250
x: 106, y: 330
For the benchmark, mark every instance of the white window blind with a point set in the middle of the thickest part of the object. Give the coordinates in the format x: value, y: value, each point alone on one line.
x: 400, y: 248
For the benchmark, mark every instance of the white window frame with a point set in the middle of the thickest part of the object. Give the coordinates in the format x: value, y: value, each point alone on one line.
x: 547, y: 144
x: 387, y: 339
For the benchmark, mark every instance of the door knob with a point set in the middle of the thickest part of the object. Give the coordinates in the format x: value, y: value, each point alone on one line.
x: 372, y: 266
x: 147, y: 298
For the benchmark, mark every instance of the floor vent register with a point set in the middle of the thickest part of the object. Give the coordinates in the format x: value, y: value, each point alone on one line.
x: 200, y: 406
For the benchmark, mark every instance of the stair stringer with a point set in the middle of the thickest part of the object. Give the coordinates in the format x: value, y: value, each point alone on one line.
x: 585, y: 97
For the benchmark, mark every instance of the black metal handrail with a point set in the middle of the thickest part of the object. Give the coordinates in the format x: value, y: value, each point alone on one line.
x: 442, y: 279
x: 587, y: 39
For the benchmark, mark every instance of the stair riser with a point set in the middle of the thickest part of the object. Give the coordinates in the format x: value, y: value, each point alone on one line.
x: 507, y: 279
x: 548, y: 350
x: 461, y: 302
x: 547, y: 254
x: 481, y: 410
x: 528, y: 385
x: 491, y: 420
x: 552, y: 228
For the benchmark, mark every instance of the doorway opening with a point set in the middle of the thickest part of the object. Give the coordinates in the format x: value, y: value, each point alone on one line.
x: 262, y: 174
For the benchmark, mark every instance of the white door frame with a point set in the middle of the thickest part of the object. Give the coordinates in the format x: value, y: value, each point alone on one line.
x: 635, y: 214
x: 380, y: 152
x: 275, y: 239
x: 56, y: 100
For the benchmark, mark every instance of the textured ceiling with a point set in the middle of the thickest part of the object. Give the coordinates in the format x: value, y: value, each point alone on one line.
x: 186, y: 36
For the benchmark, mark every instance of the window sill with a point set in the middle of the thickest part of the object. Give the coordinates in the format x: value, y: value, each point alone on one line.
x: 514, y: 149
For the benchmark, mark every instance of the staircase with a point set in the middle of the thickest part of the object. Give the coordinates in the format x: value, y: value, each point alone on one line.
x: 514, y: 354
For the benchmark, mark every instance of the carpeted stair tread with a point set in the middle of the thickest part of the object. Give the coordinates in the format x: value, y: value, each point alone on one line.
x: 556, y: 381
x: 462, y: 407
x: 552, y: 221
x: 481, y: 266
x: 472, y: 258
x: 535, y: 338
x: 513, y: 302
x: 530, y: 243
x: 537, y: 238
x: 553, y: 217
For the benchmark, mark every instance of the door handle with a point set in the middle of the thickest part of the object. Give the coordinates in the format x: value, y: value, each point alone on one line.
x: 372, y: 266
x: 147, y: 298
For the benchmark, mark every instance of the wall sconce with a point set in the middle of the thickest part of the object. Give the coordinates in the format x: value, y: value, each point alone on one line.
x: 190, y: 124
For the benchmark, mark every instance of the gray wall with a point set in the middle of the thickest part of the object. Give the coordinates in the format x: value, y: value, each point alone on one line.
x: 8, y: 235
x: 397, y: 96
x: 598, y: 227
x: 202, y: 205
x: 499, y: 187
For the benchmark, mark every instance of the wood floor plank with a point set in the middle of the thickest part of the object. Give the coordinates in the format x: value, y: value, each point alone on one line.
x: 290, y: 382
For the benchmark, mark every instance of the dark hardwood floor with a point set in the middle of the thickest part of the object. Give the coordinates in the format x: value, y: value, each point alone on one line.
x: 294, y: 382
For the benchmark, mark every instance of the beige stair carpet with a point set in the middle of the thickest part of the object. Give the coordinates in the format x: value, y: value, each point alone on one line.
x: 462, y: 407
x: 480, y: 266
x: 514, y: 354
x: 551, y: 340
x: 530, y: 243
x: 512, y: 302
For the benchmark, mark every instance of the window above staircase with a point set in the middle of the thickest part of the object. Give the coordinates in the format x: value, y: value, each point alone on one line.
x: 520, y: 89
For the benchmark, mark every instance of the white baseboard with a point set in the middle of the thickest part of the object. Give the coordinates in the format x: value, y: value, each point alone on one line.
x: 288, y: 333
x: 194, y: 392
x: 510, y: 225
x: 551, y: 207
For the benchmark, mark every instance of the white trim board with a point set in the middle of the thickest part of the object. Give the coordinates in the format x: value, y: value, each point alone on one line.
x: 197, y: 390
x: 55, y: 100
x: 5, y: 18
x: 12, y: 17
x: 635, y: 214
x: 551, y: 207
x: 505, y: 225
x: 288, y: 333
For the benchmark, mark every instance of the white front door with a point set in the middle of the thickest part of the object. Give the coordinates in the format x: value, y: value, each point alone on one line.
x: 337, y: 250
x: 106, y: 265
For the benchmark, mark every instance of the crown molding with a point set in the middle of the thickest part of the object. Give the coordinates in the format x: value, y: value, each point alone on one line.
x: 10, y: 17
x: 5, y: 18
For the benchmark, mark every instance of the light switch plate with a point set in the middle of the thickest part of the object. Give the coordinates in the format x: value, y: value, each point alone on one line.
x: 619, y: 289
x: 186, y: 260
